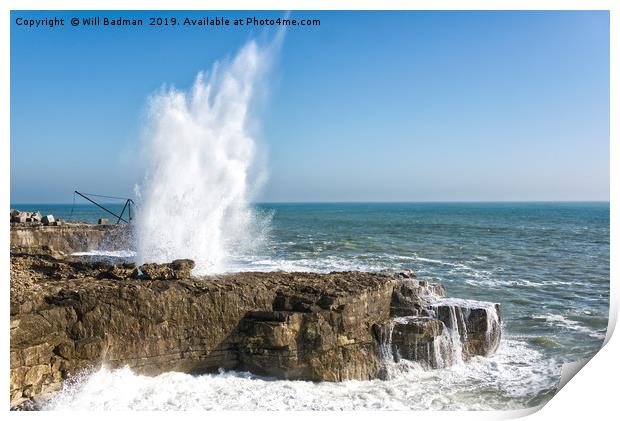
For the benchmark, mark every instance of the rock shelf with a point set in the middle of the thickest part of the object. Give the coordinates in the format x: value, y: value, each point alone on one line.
x: 68, y: 316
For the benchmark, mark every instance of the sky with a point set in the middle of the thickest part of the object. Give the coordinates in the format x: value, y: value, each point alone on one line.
x: 368, y: 106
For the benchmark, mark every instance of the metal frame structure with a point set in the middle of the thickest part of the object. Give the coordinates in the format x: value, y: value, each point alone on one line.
x: 128, y: 203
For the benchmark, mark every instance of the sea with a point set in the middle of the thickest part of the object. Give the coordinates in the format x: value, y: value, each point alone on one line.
x: 547, y: 264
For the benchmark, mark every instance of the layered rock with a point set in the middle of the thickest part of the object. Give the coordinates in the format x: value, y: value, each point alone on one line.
x: 477, y: 324
x: 70, y: 315
x: 413, y: 297
x: 297, y: 326
x: 178, y: 269
x: 68, y: 238
x: 436, y: 331
x: 417, y: 339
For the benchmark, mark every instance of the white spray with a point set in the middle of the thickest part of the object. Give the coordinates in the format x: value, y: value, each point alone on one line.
x: 200, y: 156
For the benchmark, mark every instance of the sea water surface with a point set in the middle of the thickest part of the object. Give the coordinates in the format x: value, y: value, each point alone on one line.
x: 546, y: 263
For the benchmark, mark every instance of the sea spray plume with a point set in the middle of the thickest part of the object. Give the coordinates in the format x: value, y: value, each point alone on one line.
x: 194, y: 200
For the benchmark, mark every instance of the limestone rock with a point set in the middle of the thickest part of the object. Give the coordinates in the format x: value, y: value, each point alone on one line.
x: 119, y: 272
x: 178, y: 269
x: 62, y: 325
x: 71, y: 315
x: 411, y: 297
x: 413, y: 338
x: 70, y: 237
x: 48, y: 220
x: 478, y: 324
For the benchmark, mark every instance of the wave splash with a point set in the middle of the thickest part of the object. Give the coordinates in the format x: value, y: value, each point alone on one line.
x: 202, y: 167
x: 514, y: 378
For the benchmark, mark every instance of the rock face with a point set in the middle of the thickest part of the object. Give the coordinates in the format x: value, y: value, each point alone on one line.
x: 68, y: 316
x: 68, y: 238
x: 178, y: 269
x: 413, y: 298
x: 477, y: 324
x: 296, y: 326
x: 434, y: 330
x: 415, y: 339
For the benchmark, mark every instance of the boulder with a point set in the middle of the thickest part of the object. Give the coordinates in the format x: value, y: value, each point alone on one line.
x: 19, y: 219
x: 48, y: 220
x: 102, y: 221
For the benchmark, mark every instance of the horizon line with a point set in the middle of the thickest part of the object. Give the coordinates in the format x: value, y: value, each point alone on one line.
x: 359, y: 202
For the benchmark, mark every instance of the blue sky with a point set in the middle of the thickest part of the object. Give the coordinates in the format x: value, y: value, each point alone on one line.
x: 370, y: 106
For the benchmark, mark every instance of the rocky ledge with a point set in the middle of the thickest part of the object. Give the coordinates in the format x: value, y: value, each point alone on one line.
x: 68, y: 237
x: 68, y: 316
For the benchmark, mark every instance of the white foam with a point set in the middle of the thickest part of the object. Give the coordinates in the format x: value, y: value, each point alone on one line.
x: 561, y: 321
x: 509, y: 380
x: 464, y: 303
x: 322, y: 265
x: 106, y: 253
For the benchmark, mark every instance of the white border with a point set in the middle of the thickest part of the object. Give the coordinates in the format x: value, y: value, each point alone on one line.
x: 591, y: 394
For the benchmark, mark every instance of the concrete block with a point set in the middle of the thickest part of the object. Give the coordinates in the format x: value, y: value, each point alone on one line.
x: 48, y: 219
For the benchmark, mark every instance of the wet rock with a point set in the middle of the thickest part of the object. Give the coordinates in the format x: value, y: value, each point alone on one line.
x: 444, y: 331
x: 411, y: 297
x: 311, y: 346
x: 26, y: 405
x: 178, y: 269
x: 478, y: 324
x: 407, y: 274
x: 412, y: 338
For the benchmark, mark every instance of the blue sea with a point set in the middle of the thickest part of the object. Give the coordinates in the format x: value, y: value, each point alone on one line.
x: 546, y: 263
